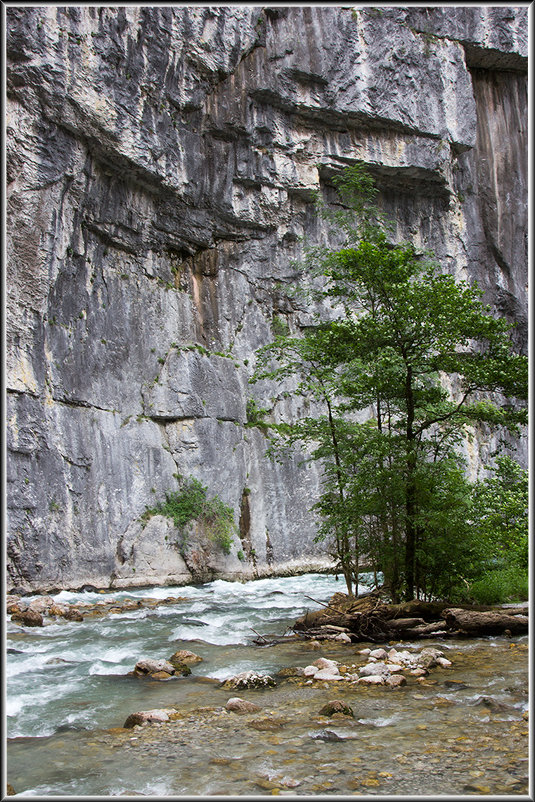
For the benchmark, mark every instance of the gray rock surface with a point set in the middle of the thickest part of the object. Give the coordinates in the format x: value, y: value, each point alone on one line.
x: 160, y: 169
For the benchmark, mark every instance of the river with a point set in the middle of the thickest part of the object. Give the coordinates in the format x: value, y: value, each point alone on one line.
x: 68, y: 694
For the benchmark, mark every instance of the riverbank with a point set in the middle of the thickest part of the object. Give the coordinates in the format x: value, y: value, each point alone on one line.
x: 287, y: 568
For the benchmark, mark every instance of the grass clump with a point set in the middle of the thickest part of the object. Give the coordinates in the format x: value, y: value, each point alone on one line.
x: 501, y: 585
x: 190, y: 503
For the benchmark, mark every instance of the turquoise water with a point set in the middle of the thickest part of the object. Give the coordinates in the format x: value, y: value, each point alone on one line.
x: 425, y: 738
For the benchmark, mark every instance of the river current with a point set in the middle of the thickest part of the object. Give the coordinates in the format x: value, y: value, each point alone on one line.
x: 69, y: 693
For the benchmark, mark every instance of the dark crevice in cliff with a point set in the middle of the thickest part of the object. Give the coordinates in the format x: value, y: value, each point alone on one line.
x: 245, y: 523
x: 269, y: 550
x: 75, y: 403
x: 165, y: 419
x: 401, y: 180
x: 489, y: 58
x: 21, y: 393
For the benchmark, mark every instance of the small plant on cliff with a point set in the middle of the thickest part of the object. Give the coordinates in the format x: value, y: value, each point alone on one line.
x: 256, y: 415
x: 190, y: 503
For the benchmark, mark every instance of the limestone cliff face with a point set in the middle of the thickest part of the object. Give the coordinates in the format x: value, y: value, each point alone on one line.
x: 160, y: 166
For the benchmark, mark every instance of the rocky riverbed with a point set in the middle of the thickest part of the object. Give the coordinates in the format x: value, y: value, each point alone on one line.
x: 301, y: 717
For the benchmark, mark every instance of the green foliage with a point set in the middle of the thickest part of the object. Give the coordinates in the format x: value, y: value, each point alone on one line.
x: 501, y: 585
x: 394, y: 487
x: 500, y: 514
x: 240, y: 555
x: 256, y: 415
x: 279, y: 326
x: 190, y: 503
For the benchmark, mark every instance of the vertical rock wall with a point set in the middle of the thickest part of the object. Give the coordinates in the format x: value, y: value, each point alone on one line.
x: 160, y: 164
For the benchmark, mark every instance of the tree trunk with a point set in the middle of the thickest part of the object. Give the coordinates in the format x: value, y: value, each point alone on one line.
x: 410, y: 498
x: 485, y: 623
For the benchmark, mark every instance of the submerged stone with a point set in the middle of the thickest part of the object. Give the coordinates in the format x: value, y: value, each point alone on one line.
x: 336, y: 706
x: 238, y: 705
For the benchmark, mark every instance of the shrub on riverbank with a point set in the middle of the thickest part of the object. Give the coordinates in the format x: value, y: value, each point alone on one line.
x: 503, y: 585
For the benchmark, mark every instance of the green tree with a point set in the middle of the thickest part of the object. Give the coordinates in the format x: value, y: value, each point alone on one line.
x: 402, y: 368
x: 500, y: 514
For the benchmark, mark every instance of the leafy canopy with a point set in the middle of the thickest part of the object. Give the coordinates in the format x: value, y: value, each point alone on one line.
x: 402, y: 361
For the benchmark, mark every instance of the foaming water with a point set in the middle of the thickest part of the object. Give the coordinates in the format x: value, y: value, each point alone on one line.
x: 54, y: 664
x: 68, y: 682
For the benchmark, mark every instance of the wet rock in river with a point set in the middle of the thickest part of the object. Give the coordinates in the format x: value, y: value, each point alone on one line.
x: 374, y: 669
x: 395, y: 681
x: 28, y: 618
x: 323, y: 662
x: 57, y: 610
x: 331, y: 735
x: 146, y: 667
x: 336, y: 706
x: 41, y: 605
x: 181, y: 668
x: 161, y: 675
x: 290, y: 671
x: 238, y: 705
x: 330, y: 674
x: 144, y: 717
x: 379, y: 654
x: 492, y: 704
x: 184, y: 656
x: 374, y: 679
x: 72, y: 614
x: 249, y: 679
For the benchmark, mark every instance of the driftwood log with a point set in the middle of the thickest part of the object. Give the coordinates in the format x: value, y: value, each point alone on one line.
x: 372, y: 619
x: 496, y: 622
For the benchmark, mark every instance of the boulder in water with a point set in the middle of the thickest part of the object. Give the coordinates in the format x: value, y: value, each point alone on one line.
x: 249, y: 679
x: 379, y: 654
x: 144, y: 717
x: 290, y: 671
x: 28, y: 618
x: 374, y: 679
x: 323, y: 662
x: 185, y: 656
x: 145, y: 667
x: 330, y: 674
x: 72, y: 614
x: 336, y: 706
x: 374, y: 669
x: 41, y: 605
x: 395, y: 681
x: 238, y: 705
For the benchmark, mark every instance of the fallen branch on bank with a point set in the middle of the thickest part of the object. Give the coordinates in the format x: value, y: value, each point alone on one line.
x: 370, y: 618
